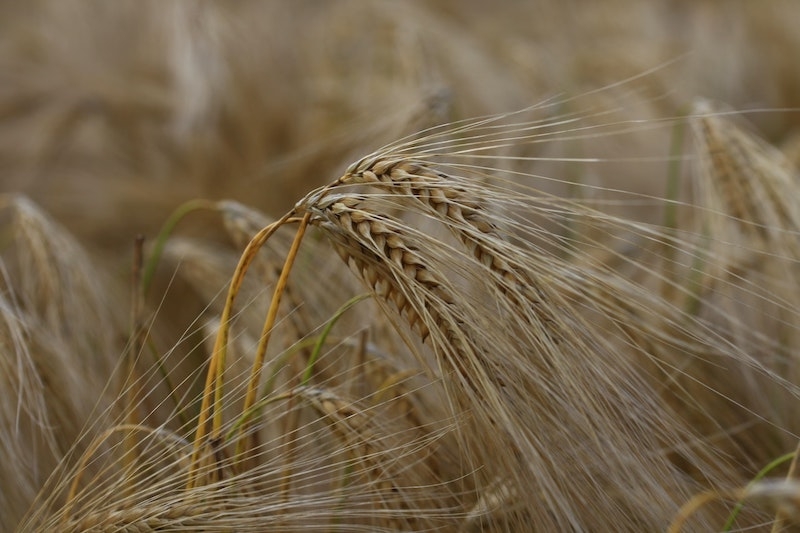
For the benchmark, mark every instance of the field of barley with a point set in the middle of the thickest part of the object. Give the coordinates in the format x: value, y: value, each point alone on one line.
x: 378, y: 266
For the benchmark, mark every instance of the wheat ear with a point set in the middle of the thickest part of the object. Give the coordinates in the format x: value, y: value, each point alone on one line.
x: 464, y: 214
x: 377, y: 250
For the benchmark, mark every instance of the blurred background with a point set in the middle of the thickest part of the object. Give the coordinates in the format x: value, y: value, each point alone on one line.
x: 113, y: 113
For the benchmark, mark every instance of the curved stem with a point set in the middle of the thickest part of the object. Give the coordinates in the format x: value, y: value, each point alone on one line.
x: 266, y: 332
x: 163, y: 236
x: 213, y: 385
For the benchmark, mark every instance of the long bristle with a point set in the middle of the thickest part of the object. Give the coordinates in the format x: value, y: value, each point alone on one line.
x: 422, y: 266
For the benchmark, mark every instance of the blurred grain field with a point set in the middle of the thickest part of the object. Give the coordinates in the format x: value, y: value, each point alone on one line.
x: 544, y: 275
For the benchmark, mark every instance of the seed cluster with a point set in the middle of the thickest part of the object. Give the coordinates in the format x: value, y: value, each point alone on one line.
x: 378, y: 251
x: 464, y: 215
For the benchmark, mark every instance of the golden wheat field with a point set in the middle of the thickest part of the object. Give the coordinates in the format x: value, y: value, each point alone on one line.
x: 373, y: 266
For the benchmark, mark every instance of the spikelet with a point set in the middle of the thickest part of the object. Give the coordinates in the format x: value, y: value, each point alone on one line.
x: 430, y: 284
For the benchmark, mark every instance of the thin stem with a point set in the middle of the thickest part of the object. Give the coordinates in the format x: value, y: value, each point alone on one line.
x: 780, y: 516
x: 775, y: 463
x: 163, y: 235
x: 131, y: 390
x: 213, y: 386
x: 309, y: 371
x: 266, y: 332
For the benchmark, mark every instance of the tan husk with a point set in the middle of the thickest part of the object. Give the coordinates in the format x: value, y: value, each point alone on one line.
x: 547, y: 342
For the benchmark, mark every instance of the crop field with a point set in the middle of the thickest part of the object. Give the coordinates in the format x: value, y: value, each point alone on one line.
x: 377, y: 266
